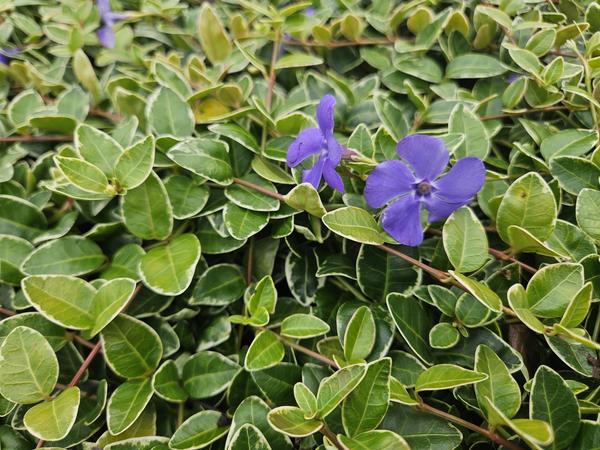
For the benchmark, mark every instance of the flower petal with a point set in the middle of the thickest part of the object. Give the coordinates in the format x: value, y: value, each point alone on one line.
x: 325, y: 114
x: 403, y: 222
x: 106, y: 36
x: 307, y: 143
x: 439, y: 208
x: 103, y: 7
x: 426, y: 154
x: 334, y: 149
x: 313, y: 176
x: 387, y: 181
x: 332, y: 178
x: 462, y: 182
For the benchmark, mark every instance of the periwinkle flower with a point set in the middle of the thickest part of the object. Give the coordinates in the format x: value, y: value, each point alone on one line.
x: 6, y: 54
x: 406, y: 191
x: 106, y: 34
x: 319, y: 140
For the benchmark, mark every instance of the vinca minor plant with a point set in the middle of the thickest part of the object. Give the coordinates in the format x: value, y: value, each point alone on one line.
x: 277, y: 225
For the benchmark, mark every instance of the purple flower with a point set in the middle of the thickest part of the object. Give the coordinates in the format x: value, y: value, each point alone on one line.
x: 512, y: 78
x: 406, y: 191
x: 319, y: 140
x: 7, y: 53
x: 106, y: 34
x: 310, y: 11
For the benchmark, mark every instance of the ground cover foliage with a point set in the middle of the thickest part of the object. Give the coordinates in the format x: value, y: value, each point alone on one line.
x: 203, y: 208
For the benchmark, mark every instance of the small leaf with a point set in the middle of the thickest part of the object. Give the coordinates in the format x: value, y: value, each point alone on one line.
x: 360, y: 335
x: 198, y: 431
x: 108, y: 301
x: 131, y: 348
x: 305, y: 197
x: 355, y: 224
x: 265, y: 351
x: 443, y: 336
x: 446, y: 376
x: 135, y: 164
x: 169, y: 269
x: 465, y: 241
x: 220, y: 285
x: 375, y: 439
x: 83, y: 174
x: 213, y: 36
x: 127, y: 403
x: 249, y: 437
x: 297, y: 60
x: 208, y: 158
x: 578, y: 307
x: 306, y: 399
x: 290, y: 420
x: 97, y: 148
x: 208, y: 373
x: 264, y: 295
x: 28, y: 367
x: 52, y: 420
x: 303, y: 326
x: 588, y: 203
x: 480, y: 291
x: 338, y: 386
x: 169, y: 114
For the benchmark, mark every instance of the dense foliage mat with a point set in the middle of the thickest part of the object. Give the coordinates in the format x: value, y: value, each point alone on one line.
x: 268, y: 225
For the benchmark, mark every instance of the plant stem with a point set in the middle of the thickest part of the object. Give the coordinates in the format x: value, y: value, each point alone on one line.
x: 522, y: 113
x: 471, y: 426
x: 325, y: 431
x: 343, y: 284
x: 272, y: 72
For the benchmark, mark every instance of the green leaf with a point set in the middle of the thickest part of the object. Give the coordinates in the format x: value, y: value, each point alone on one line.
x: 198, y: 431
x: 13, y: 251
x: 208, y: 158
x: 500, y: 387
x: 413, y: 322
x: 84, y: 72
x: 355, y: 224
x: 574, y: 173
x: 97, y: 148
x: 220, y: 285
x: 552, y: 401
x: 64, y: 300
x: 578, y: 307
x: 83, y: 174
x: 529, y: 204
x: 337, y: 387
x: 213, y: 37
x: 522, y: 240
x: 365, y: 407
x: 552, y: 287
x: 359, y: 337
x: 131, y: 348
x: 265, y: 351
x: 447, y: 376
x: 127, y: 403
x: 28, y: 367
x: 167, y: 383
x: 108, y: 301
x: 305, y: 197
x: 443, y: 335
x: 525, y: 59
x: 56, y: 335
x: 588, y: 203
x: 465, y: 241
x: 297, y: 60
x: 303, y: 326
x: 264, y: 295
x: 71, y: 255
x: 186, y: 196
x: 568, y: 143
x: 375, y: 439
x: 517, y: 299
x: 169, y: 114
x: 21, y: 218
x: 237, y: 134
x: 474, y: 65
x: 242, y: 223
x: 135, y: 163
x: 480, y: 291
x: 251, y: 199
x: 306, y: 399
x: 399, y: 394
x: 52, y: 420
x: 169, y: 269
x: 290, y: 421
x: 249, y: 437
x: 476, y: 141
x: 146, y: 210
x: 208, y: 373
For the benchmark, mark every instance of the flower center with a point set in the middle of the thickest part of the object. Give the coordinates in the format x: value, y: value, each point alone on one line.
x: 424, y: 188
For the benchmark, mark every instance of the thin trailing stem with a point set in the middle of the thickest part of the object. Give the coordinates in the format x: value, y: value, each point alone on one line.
x: 523, y: 112
x: 331, y: 436
x: 494, y: 437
